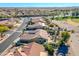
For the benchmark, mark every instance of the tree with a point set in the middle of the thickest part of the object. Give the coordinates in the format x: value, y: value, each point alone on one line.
x: 30, y: 23
x: 48, y: 21
x: 72, y: 31
x: 65, y: 35
x: 51, y: 25
x: 61, y: 42
x: 52, y: 32
x: 3, y: 29
x: 17, y: 21
x: 5, y: 16
x: 23, y: 31
x: 49, y: 48
x: 58, y: 31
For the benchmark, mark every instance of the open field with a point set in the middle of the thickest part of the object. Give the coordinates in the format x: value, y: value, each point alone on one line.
x: 76, y: 20
x: 73, y: 23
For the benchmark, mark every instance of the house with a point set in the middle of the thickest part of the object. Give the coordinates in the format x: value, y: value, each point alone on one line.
x: 31, y: 49
x: 63, y: 25
x: 38, y: 36
x: 38, y: 25
x: 8, y: 22
x: 38, y: 19
x: 3, y: 21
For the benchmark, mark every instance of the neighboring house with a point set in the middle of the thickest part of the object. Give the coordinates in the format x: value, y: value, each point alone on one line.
x: 2, y: 22
x: 63, y: 25
x: 38, y: 25
x: 31, y: 49
x: 8, y: 22
x: 38, y: 19
x: 38, y: 35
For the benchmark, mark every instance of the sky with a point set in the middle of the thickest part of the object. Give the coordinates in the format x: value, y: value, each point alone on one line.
x: 38, y: 4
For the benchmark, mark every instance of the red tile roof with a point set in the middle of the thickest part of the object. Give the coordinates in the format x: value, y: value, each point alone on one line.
x: 32, y: 49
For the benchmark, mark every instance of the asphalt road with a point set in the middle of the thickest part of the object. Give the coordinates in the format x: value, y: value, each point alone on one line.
x: 23, y: 24
x: 8, y: 41
x: 9, y: 32
x: 4, y: 45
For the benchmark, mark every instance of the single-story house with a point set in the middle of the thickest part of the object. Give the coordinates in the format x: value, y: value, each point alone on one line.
x: 31, y: 49
x: 37, y: 19
x: 38, y: 25
x: 38, y: 35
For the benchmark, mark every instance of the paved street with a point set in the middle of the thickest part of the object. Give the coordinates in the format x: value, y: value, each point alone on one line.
x: 23, y: 24
x: 9, y: 32
x: 4, y: 45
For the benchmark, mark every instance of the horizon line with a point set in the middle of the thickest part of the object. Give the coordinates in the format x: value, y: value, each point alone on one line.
x: 39, y: 4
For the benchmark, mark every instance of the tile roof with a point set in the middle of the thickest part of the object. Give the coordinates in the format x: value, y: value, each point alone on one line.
x: 31, y: 49
x: 38, y: 19
x: 39, y: 33
x: 37, y: 25
x: 3, y: 22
